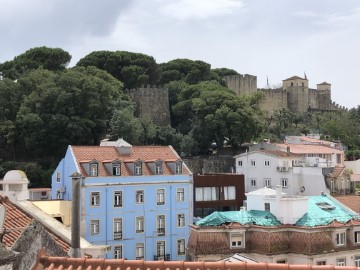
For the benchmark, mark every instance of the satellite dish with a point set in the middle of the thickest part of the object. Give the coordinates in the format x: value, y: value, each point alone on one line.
x: 302, y: 189
x: 2, y: 216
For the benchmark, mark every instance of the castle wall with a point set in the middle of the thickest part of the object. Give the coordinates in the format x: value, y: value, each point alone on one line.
x: 242, y: 85
x: 153, y: 103
x: 313, y: 100
x: 274, y: 99
x: 298, y: 98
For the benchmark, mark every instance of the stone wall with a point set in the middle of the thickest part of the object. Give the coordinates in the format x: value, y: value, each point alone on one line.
x: 242, y: 85
x: 274, y: 99
x: 153, y: 103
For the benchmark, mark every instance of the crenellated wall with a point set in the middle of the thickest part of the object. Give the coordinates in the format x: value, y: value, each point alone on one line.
x: 242, y: 85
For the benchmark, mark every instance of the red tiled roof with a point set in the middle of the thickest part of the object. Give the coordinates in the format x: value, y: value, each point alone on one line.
x: 15, y: 223
x: 147, y: 154
x: 351, y: 201
x: 45, y: 262
x: 280, y: 153
x: 355, y: 177
x: 310, y: 149
x: 338, y: 170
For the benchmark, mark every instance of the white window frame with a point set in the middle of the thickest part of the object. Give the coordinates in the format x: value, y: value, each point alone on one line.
x: 180, y: 194
x: 266, y: 163
x: 118, y: 252
x: 139, y: 224
x: 95, y: 199
x: 117, y: 228
x: 139, y: 251
x: 332, y: 186
x: 357, y: 237
x: 178, y: 167
x: 94, y: 169
x: 180, y: 220
x: 161, y: 249
x: 240, y: 163
x: 94, y: 227
x: 229, y: 193
x: 158, y: 168
x: 181, y: 247
x: 237, y: 240
x: 253, y: 182
x: 118, y: 198
x: 58, y: 177
x: 116, y: 169
x: 340, y: 238
x: 267, y: 182
x: 341, y: 262
x: 357, y: 260
x: 253, y: 163
x: 139, y: 196
x: 284, y: 183
x: 160, y: 196
x: 138, y: 168
x: 160, y: 224
x: 267, y: 207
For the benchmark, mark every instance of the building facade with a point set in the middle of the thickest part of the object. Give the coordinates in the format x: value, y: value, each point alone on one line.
x: 137, y: 199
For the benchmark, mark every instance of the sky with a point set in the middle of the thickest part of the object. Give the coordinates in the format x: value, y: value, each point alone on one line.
x: 271, y: 39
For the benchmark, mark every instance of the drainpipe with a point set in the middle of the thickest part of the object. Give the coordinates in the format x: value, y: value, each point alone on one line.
x: 75, y: 216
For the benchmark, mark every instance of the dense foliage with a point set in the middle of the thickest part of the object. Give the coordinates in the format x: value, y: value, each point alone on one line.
x: 47, y: 106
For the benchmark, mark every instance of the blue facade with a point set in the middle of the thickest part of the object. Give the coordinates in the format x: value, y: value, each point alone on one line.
x: 140, y: 217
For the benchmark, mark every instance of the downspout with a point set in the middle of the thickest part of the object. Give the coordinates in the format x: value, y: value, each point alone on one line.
x: 75, y: 251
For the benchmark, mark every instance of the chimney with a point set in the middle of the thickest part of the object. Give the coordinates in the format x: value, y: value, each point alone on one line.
x: 75, y: 216
x: 288, y: 150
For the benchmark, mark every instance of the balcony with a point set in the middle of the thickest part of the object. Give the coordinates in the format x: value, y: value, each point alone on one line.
x: 161, y: 231
x: 117, y: 235
x: 164, y: 257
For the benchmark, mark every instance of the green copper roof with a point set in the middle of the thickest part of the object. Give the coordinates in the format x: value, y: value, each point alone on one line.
x: 323, y: 210
x: 263, y: 218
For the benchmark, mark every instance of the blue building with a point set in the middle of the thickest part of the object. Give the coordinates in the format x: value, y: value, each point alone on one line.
x: 137, y: 199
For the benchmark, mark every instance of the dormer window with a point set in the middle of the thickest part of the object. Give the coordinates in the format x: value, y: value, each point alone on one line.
x: 116, y: 168
x: 158, y: 167
x: 94, y: 168
x: 178, y: 167
x: 138, y: 168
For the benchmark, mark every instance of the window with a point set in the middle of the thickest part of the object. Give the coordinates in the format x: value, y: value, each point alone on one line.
x: 252, y: 163
x: 357, y: 261
x: 95, y: 198
x: 138, y: 168
x: 139, y: 252
x: 267, y: 163
x: 181, y: 220
x: 58, y: 177
x: 321, y: 263
x: 340, y: 239
x: 139, y: 196
x: 240, y: 163
x: 281, y: 261
x: 341, y: 262
x: 93, y: 169
x: 160, y: 224
x: 267, y: 207
x: 160, y: 196
x: 158, y: 168
x: 230, y: 193
x: 267, y: 182
x: 207, y: 194
x: 236, y: 240
x: 118, y: 252
x: 116, y: 169
x: 178, y: 167
x: 338, y: 158
x: 357, y: 237
x: 139, y: 224
x: 117, y: 198
x: 160, y: 249
x: 181, y: 247
x: 58, y: 194
x: 94, y: 226
x: 180, y: 194
x: 284, y: 182
x: 117, y: 228
x: 332, y: 186
x: 253, y: 182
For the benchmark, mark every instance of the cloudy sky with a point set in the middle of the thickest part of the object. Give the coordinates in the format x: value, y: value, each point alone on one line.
x: 272, y: 39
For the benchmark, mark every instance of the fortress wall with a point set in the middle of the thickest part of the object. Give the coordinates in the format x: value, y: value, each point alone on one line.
x: 324, y: 99
x: 152, y: 102
x: 313, y: 100
x: 274, y: 99
x: 242, y: 85
x: 298, y: 99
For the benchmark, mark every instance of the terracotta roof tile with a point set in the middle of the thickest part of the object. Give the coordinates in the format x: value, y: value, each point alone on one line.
x: 310, y: 149
x: 147, y: 154
x: 351, y: 201
x: 16, y: 221
x: 45, y: 262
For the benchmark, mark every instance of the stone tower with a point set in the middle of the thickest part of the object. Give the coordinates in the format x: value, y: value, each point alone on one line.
x: 242, y: 85
x: 297, y: 94
x: 324, y: 96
